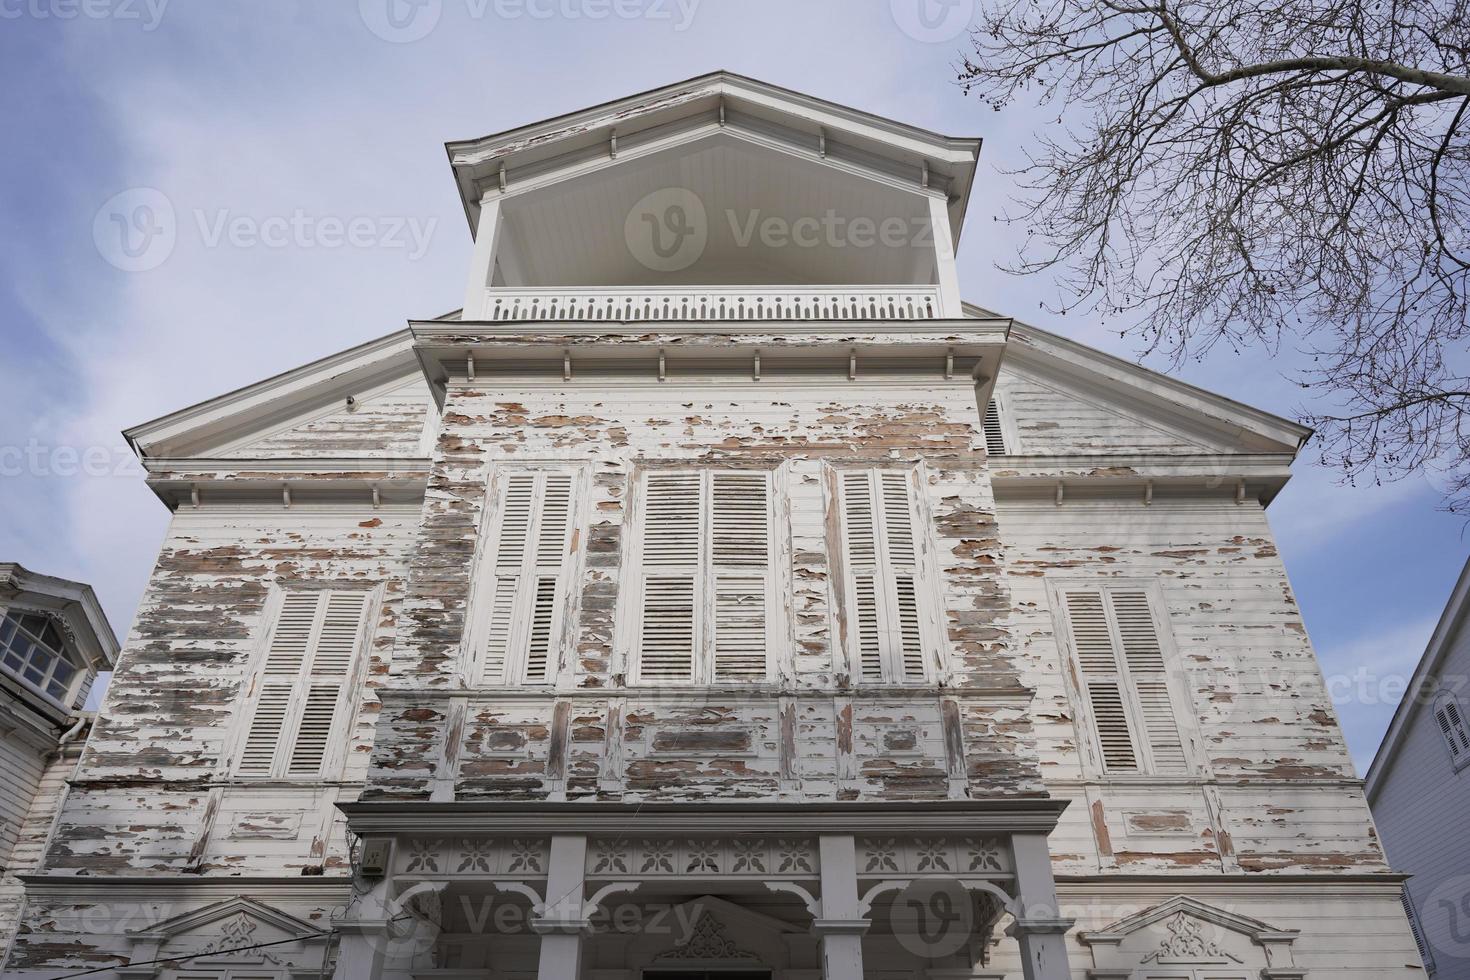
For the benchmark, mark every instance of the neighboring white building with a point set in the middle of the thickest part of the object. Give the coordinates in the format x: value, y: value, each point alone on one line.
x: 717, y: 596
x: 54, y: 639
x: 1419, y: 789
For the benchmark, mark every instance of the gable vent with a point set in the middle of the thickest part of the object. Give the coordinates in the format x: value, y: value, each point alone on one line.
x: 995, y: 436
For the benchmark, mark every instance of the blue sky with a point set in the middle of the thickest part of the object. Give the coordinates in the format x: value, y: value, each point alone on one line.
x: 274, y: 109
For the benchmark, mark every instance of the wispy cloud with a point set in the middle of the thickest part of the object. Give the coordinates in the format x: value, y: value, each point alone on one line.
x: 1367, y: 676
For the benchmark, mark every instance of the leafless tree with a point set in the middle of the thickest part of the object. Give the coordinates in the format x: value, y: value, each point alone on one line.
x: 1246, y: 172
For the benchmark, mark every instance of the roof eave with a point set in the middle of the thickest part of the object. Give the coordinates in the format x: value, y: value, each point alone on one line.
x: 1451, y: 621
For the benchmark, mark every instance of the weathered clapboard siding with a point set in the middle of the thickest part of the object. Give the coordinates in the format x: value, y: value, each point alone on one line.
x: 150, y: 797
x: 1277, y: 789
x: 22, y: 766
x: 613, y: 427
x: 31, y: 830
x: 1049, y: 420
x: 389, y: 421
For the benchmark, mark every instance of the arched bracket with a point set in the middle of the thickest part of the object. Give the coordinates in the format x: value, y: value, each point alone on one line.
x: 865, y: 904
x: 538, y: 906
x: 612, y: 888
x: 813, y: 905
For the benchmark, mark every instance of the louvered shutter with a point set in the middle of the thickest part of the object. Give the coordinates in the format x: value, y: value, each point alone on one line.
x: 305, y: 683
x: 1145, y: 659
x: 528, y: 578
x: 1412, y: 915
x: 1452, y: 726
x: 883, y: 562
x: 995, y: 438
x: 1125, y: 679
x: 672, y: 542
x: 706, y: 576
x: 1092, y: 639
x: 740, y: 557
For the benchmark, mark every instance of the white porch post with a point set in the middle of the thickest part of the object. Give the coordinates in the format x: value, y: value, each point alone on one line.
x: 562, y: 920
x: 364, y: 934
x: 944, y: 259
x: 1039, y: 928
x: 482, y: 265
x: 841, y: 926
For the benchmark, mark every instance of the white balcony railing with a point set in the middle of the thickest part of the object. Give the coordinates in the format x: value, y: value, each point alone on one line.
x: 714, y: 303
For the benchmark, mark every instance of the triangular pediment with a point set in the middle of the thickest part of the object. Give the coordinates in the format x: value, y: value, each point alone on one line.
x: 1190, y: 907
x: 306, y: 411
x: 228, y: 912
x: 1067, y: 399
x: 742, y: 108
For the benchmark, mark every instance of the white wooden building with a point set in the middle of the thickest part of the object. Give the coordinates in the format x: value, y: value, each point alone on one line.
x: 54, y: 640
x: 717, y: 595
x: 1419, y: 789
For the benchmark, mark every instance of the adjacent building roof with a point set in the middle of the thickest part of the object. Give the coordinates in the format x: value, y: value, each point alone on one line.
x: 1425, y: 678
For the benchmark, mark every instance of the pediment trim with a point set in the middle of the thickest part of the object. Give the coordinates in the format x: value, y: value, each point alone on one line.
x: 1259, y: 932
x: 229, y: 908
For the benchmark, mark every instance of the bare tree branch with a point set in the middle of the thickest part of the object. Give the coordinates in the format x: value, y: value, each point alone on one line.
x: 1244, y: 172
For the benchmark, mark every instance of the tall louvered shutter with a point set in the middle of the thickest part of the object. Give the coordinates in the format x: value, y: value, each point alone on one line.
x: 706, y: 574
x: 672, y: 546
x: 304, y: 685
x: 740, y: 558
x: 1125, y: 679
x: 1145, y: 659
x: 528, y: 568
x: 995, y: 437
x: 883, y: 562
x: 1092, y: 639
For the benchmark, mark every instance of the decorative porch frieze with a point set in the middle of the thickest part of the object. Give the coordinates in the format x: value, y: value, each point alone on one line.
x: 933, y: 856
x: 754, y: 857
x: 517, y: 857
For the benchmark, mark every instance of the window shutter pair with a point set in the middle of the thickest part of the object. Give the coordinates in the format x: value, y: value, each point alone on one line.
x: 883, y: 562
x: 304, y: 685
x: 528, y: 567
x: 1125, y: 678
x: 1451, y: 720
x: 706, y: 576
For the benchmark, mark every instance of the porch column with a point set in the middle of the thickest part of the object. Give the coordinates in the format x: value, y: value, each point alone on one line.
x: 363, y: 936
x: 482, y: 266
x: 842, y: 925
x: 1039, y: 928
x: 562, y: 920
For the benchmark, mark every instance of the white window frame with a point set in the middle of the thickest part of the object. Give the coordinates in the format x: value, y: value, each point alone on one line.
x: 1456, y: 738
x: 67, y: 652
x: 706, y: 573
x: 927, y: 585
x: 482, y: 612
x: 345, y: 708
x: 1181, y: 698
